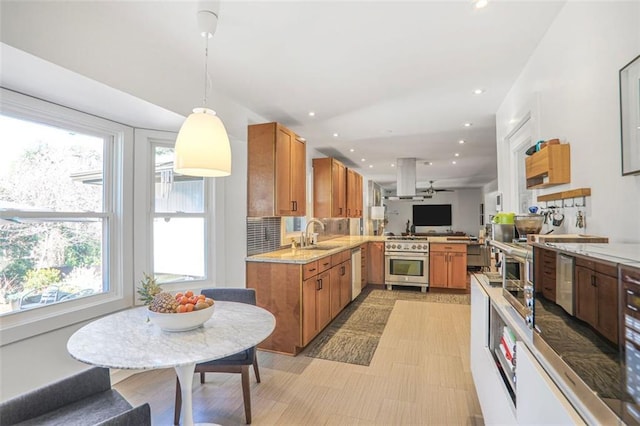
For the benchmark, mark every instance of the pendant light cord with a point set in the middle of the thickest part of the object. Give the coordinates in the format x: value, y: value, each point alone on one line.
x: 206, y: 67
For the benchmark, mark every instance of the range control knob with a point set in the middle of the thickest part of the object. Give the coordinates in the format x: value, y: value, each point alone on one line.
x: 413, y: 247
x: 419, y: 246
x: 393, y: 246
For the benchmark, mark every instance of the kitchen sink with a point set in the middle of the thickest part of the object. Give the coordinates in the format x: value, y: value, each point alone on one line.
x: 323, y: 247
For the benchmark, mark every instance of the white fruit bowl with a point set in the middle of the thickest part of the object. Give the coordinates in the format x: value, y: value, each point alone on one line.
x: 181, y: 322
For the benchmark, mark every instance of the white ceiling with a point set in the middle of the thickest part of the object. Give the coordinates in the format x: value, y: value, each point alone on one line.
x: 393, y: 79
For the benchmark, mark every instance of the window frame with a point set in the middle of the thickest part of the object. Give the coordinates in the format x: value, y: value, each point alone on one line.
x: 118, y: 171
x: 144, y: 190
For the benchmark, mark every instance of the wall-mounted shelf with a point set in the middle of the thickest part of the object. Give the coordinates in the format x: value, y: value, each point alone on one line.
x: 549, y: 166
x: 574, y: 193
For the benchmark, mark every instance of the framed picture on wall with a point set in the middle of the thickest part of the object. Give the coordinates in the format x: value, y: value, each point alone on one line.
x: 630, y: 117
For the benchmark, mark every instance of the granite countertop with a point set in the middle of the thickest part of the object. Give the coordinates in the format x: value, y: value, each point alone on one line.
x: 327, y: 248
x: 611, y: 252
x: 333, y: 246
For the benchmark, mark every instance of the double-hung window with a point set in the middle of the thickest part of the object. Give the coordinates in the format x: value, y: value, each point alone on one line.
x: 172, y: 235
x: 61, y: 216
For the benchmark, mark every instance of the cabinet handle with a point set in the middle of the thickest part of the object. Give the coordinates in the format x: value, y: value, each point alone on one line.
x: 628, y: 279
x: 293, y: 206
x: 633, y: 308
x: 311, y: 270
x: 340, y: 210
x: 593, y: 280
x: 318, y: 285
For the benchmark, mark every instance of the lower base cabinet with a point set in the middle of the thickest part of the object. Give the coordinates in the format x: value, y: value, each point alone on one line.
x: 303, y: 298
x: 448, y: 265
x: 538, y: 400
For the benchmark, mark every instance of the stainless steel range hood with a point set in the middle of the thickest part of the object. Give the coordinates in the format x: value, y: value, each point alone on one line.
x: 406, y: 181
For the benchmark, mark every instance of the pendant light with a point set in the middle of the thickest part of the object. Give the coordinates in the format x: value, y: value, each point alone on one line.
x: 202, y: 147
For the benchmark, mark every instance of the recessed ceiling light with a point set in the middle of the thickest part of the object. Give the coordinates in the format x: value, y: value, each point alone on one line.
x: 461, y: 141
x: 335, y: 135
x: 303, y: 139
x: 478, y: 91
x: 468, y: 124
x: 371, y: 166
x: 456, y: 155
x: 453, y: 162
x: 352, y: 150
x: 393, y: 165
x: 363, y: 160
x: 479, y: 4
x: 312, y: 114
x: 428, y: 163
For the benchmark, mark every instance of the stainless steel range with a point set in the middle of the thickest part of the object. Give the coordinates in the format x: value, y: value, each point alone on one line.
x: 407, y: 262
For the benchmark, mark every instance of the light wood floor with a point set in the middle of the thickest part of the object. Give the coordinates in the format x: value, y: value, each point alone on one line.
x: 419, y: 375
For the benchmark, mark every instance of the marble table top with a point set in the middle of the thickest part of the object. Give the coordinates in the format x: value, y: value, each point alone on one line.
x: 126, y: 340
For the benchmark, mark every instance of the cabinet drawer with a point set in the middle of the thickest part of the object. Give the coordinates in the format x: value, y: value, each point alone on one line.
x: 324, y: 264
x: 585, y: 263
x: 309, y: 270
x: 449, y: 248
x: 548, y: 255
x: 607, y: 269
x: 338, y: 258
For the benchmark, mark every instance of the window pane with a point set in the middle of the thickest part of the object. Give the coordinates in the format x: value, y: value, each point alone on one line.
x: 178, y: 249
x: 44, y: 262
x: 175, y: 192
x: 49, y: 169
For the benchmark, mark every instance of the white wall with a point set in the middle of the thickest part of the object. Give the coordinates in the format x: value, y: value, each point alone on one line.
x: 570, y: 85
x: 465, y: 211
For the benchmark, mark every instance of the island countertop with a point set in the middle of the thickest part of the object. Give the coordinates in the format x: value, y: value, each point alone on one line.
x: 612, y: 252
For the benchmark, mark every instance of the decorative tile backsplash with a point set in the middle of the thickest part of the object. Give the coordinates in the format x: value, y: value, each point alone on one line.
x: 263, y: 234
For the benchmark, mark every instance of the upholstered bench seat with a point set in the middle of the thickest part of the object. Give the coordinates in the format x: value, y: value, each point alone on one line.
x: 82, y: 399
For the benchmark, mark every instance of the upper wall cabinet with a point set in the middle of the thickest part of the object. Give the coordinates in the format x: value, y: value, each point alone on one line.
x: 276, y: 171
x: 549, y: 166
x: 354, y: 194
x: 329, y: 188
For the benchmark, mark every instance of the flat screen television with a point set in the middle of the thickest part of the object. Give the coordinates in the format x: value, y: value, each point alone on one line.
x: 432, y: 214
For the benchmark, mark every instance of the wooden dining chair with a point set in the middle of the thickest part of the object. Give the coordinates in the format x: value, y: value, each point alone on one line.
x: 236, y: 363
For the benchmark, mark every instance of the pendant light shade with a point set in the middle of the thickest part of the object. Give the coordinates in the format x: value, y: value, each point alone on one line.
x: 202, y: 147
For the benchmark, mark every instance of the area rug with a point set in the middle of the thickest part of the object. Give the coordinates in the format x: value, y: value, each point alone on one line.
x: 354, y: 335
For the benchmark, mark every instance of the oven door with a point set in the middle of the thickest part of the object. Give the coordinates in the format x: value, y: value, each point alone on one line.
x: 403, y: 268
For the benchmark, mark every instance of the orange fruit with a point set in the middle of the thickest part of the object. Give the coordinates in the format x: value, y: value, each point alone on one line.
x: 188, y: 293
x: 181, y: 309
x: 202, y: 296
x: 179, y: 295
x: 189, y: 307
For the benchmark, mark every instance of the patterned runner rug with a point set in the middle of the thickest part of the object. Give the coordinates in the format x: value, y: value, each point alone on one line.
x: 354, y: 335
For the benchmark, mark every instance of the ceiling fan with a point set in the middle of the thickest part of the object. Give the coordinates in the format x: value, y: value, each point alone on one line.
x: 431, y: 191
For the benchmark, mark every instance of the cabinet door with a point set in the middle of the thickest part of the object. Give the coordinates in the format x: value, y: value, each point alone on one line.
x: 298, y: 177
x: 457, y: 270
x: 339, y: 188
x: 585, y: 295
x: 360, y: 195
x: 345, y: 284
x: 351, y: 184
x: 323, y: 299
x: 364, y: 279
x: 284, y: 139
x: 309, y: 316
x: 438, y: 269
x: 376, y: 263
x: 607, y: 310
x: 336, y: 289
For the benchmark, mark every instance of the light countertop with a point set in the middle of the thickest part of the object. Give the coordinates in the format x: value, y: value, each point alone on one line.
x: 302, y: 256
x: 612, y: 252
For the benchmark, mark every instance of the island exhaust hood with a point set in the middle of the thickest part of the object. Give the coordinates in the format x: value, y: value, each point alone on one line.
x: 406, y: 177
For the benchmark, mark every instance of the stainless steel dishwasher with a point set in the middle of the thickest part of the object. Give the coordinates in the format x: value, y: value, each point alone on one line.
x: 356, y: 284
x: 564, y: 282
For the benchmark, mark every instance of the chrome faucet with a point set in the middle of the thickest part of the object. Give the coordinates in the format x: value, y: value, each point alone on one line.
x: 306, y: 241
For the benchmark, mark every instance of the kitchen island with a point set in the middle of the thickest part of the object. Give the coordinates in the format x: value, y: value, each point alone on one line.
x: 580, y: 343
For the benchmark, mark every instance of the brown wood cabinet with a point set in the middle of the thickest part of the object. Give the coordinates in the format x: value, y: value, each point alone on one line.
x: 549, y: 166
x: 303, y: 298
x: 276, y: 176
x: 329, y: 188
x: 596, y: 285
x: 544, y: 273
x: 376, y: 262
x: 340, y: 282
x: 354, y: 194
x: 448, y: 265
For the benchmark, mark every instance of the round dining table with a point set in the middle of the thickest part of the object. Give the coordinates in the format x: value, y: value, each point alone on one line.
x: 128, y: 340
